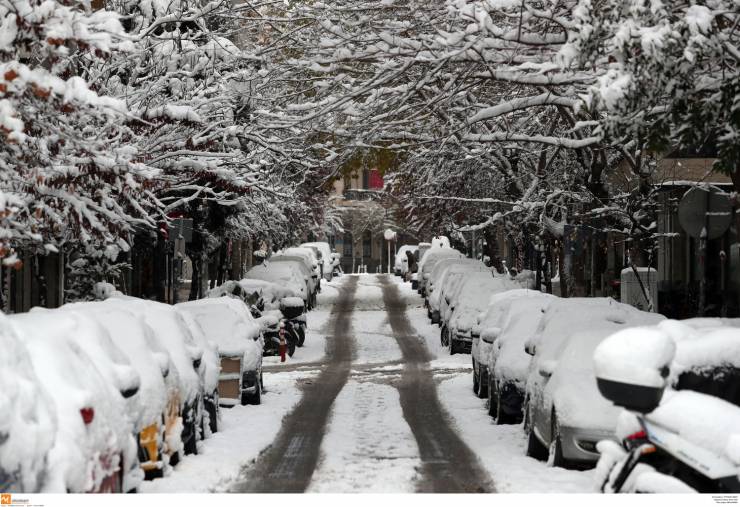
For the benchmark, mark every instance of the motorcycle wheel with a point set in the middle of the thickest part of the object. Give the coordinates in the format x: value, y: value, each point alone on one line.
x: 301, y: 336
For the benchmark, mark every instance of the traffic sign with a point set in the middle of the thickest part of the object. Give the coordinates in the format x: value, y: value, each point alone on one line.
x: 705, y: 211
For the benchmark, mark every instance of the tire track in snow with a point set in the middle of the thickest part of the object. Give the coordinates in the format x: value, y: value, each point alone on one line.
x: 448, y: 465
x: 288, y: 464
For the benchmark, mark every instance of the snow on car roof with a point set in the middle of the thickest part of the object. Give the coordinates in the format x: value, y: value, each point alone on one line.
x: 435, y: 254
x: 566, y: 316
x: 279, y: 272
x: 476, y: 291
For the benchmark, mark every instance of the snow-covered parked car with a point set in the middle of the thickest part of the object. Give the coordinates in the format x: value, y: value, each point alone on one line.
x: 442, y: 277
x: 499, y: 334
x: 210, y: 368
x: 94, y: 447
x: 565, y: 415
x: 488, y: 329
x: 420, y: 254
x: 401, y: 261
x: 465, y: 308
x: 28, y: 420
x: 258, y: 294
x: 309, y: 260
x: 237, y: 336
x: 326, y: 259
x: 284, y: 274
x: 186, y: 355
x: 157, y: 420
x: 431, y: 258
x: 679, y: 384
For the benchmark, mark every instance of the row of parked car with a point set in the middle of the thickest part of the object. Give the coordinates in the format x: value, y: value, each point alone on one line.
x: 533, y: 362
x: 98, y: 396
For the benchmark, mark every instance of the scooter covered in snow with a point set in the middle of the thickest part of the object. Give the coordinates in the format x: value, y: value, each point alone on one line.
x: 271, y: 323
x: 294, y: 313
x: 672, y: 441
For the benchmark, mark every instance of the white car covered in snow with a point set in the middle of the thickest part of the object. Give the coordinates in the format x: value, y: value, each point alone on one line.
x: 507, y: 362
x: 157, y: 419
x: 94, y: 447
x: 210, y: 367
x: 431, y: 258
x: 309, y: 260
x: 283, y: 274
x: 28, y: 419
x: 443, y: 277
x: 186, y: 355
x: 238, y: 337
x: 466, y: 305
x: 565, y: 415
x: 500, y: 364
x: 260, y: 294
x: 401, y: 261
x: 326, y: 259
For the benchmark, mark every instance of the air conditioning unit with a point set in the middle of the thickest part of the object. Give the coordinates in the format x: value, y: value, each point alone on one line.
x: 631, y: 293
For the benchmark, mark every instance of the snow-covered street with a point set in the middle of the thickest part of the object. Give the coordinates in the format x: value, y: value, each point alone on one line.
x: 373, y: 403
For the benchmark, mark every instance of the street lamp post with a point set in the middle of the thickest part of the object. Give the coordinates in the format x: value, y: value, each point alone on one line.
x: 389, y: 235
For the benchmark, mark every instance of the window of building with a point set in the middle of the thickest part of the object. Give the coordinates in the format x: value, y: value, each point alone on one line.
x: 367, y: 245
x: 348, y: 245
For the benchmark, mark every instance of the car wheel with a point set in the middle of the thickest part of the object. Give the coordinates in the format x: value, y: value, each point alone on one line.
x: 482, y: 391
x: 476, y: 380
x: 453, y: 346
x: 555, y: 452
x: 535, y: 449
x: 301, y: 336
x: 213, y: 415
x: 191, y: 445
x: 492, y: 401
x: 254, y: 398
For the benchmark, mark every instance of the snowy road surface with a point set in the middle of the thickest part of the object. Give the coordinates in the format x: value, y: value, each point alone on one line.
x: 373, y: 403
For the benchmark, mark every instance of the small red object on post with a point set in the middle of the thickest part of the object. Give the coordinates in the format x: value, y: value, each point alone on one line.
x: 282, y: 347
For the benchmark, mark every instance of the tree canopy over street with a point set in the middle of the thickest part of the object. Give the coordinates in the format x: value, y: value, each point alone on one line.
x: 527, y: 114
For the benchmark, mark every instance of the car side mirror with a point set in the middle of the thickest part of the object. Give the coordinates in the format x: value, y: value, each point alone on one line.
x: 530, y: 348
x: 546, y: 368
x: 490, y: 334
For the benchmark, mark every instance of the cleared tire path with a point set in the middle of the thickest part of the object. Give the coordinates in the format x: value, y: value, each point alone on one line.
x: 287, y: 466
x: 449, y: 466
